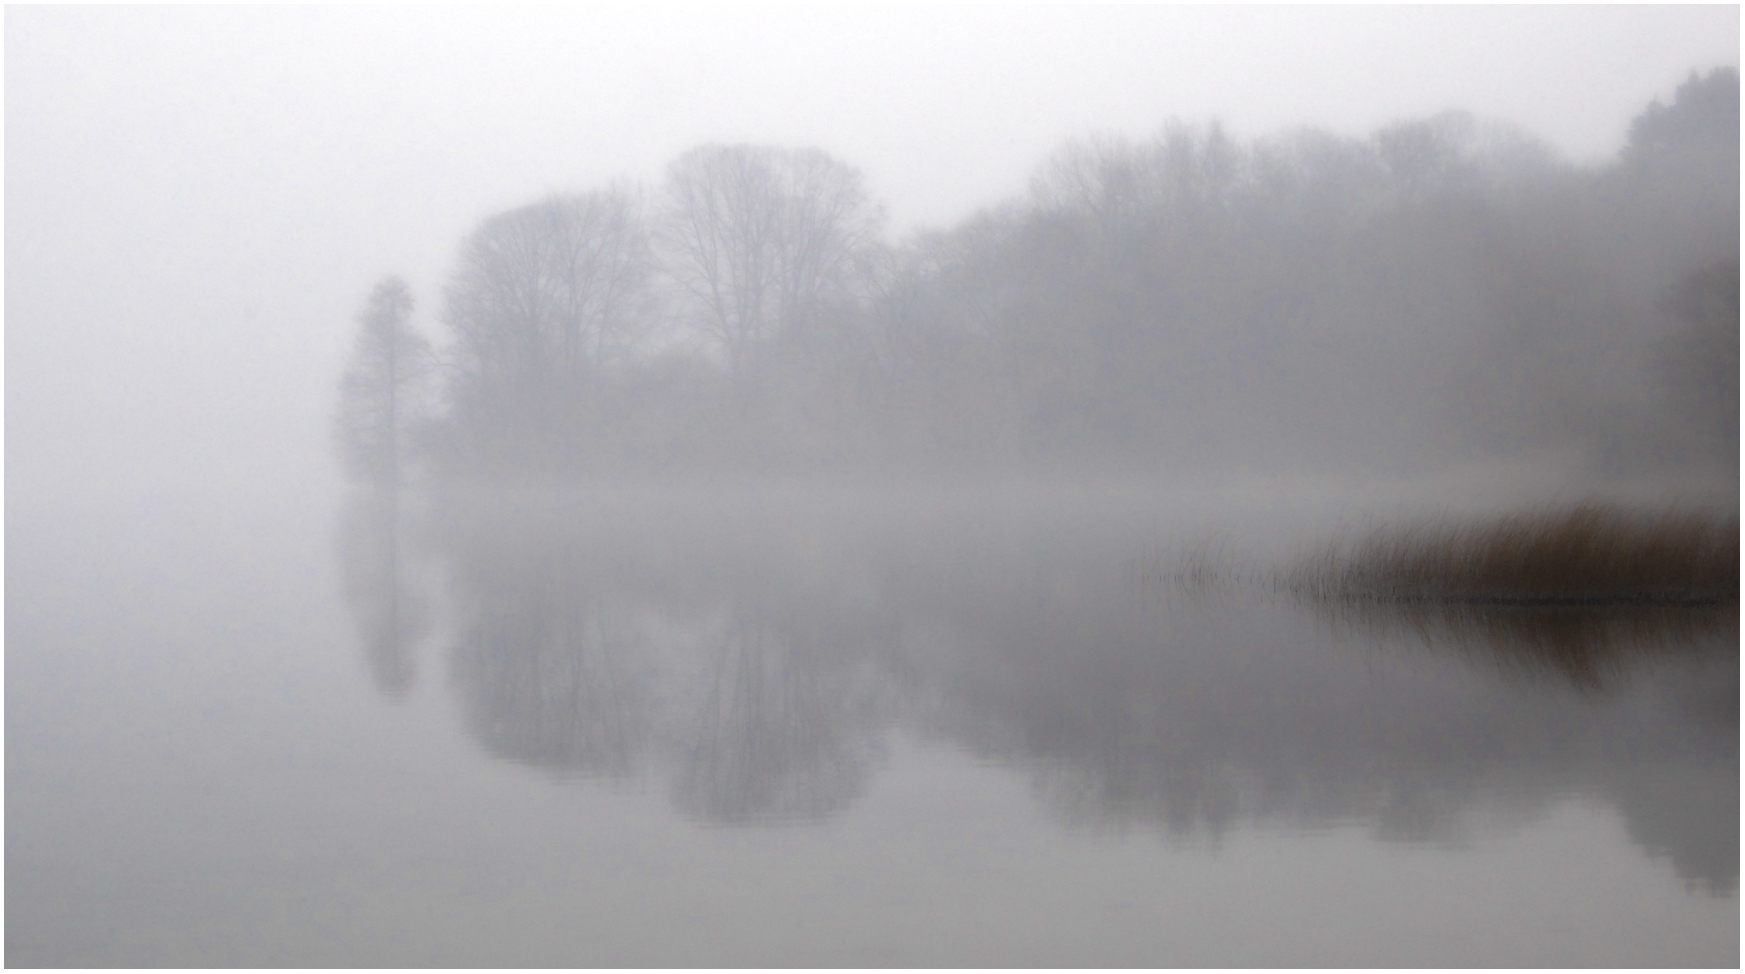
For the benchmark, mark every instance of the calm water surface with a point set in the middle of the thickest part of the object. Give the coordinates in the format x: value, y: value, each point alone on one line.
x: 961, y: 729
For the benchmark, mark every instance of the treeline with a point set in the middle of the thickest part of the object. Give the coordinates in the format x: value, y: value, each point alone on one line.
x: 1442, y: 291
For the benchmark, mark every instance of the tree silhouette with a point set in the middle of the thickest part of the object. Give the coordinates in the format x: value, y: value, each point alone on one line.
x: 379, y: 392
x: 759, y: 238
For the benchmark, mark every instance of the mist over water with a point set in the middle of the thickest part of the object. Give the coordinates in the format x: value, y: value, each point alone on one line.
x: 1234, y: 541
x: 857, y: 715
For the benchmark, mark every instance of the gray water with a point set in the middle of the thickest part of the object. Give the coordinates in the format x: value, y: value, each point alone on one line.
x: 782, y: 728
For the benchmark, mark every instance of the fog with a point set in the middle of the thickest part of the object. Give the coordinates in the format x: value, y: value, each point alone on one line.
x: 806, y: 487
x: 200, y: 201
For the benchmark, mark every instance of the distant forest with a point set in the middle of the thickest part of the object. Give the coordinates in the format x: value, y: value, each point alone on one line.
x: 1444, y: 291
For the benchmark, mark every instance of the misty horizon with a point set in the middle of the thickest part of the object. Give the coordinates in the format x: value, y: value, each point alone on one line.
x: 1439, y: 294
x: 256, y: 215
x: 903, y: 486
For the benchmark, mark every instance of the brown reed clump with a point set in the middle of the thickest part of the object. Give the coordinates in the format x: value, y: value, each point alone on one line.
x: 1589, y: 554
x: 1583, y: 593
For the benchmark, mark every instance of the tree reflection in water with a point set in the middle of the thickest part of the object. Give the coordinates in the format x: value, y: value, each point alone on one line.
x: 547, y: 672
x: 786, y: 729
x: 391, y: 619
x: 750, y: 689
x: 758, y: 667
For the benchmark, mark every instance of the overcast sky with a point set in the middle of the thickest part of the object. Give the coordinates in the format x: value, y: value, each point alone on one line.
x: 197, y: 200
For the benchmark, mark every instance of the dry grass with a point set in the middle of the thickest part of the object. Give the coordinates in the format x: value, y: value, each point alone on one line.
x: 1587, y: 555
x: 1581, y: 594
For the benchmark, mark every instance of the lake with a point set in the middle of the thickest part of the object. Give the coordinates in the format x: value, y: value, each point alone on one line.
x: 775, y: 726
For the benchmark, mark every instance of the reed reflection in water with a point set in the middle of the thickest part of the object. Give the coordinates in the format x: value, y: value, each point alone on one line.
x: 1588, y: 646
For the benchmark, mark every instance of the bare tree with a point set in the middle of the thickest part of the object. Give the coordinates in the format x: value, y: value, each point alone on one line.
x: 378, y: 394
x: 1698, y: 364
x: 555, y: 287
x: 758, y: 238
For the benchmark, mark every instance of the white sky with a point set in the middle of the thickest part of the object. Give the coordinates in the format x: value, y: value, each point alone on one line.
x: 197, y: 200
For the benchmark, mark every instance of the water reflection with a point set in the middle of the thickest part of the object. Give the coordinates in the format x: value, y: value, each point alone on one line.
x: 550, y: 669
x: 390, y: 616
x: 1587, y: 646
x: 786, y: 727
x: 548, y: 675
x: 756, y: 666
x: 751, y: 688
